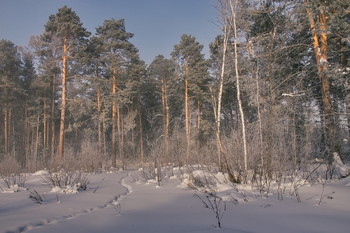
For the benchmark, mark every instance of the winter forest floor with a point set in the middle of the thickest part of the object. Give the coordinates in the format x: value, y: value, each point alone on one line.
x: 122, y: 201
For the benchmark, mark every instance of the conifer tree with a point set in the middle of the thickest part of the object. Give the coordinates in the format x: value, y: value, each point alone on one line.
x: 65, y: 26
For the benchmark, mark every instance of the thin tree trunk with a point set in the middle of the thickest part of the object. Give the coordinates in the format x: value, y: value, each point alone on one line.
x: 37, y: 140
x: 114, y: 118
x: 167, y: 121
x: 99, y: 133
x: 165, y: 132
x: 53, y: 118
x: 187, y: 114
x: 120, y: 126
x: 6, y: 130
x: 261, y: 142
x: 45, y: 133
x: 63, y: 99
x: 221, y: 85
x: 234, y: 9
x: 10, y: 132
x: 198, y: 113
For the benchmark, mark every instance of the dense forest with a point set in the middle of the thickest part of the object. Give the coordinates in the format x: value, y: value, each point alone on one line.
x: 273, y: 96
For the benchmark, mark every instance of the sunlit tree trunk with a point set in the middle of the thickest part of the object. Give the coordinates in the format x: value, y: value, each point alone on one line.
x: 63, y: 99
x: 165, y: 120
x: 99, y: 132
x: 320, y: 44
x: 114, y: 118
x: 6, y: 131
x: 220, y: 90
x: 53, y: 117
x: 245, y: 153
x: 187, y: 113
x: 45, y: 133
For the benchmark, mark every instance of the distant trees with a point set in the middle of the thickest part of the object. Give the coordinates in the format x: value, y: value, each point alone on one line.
x: 16, y: 75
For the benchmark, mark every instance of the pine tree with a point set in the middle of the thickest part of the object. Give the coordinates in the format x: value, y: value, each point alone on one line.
x: 65, y: 26
x: 119, y: 56
x: 192, y: 71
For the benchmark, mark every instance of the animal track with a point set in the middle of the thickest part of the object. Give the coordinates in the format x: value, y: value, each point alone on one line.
x: 114, y: 202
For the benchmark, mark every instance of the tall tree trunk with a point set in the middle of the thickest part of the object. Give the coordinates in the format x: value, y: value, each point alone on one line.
x: 63, y: 99
x: 198, y: 113
x: 45, y: 133
x: 320, y: 45
x: 261, y: 139
x: 221, y: 85
x: 6, y: 135
x: 165, y: 120
x: 120, y: 127
x: 99, y: 132
x: 53, y: 118
x: 187, y: 113
x: 37, y: 140
x: 245, y: 153
x: 114, y: 118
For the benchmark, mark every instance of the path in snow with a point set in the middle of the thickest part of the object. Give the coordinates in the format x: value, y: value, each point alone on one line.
x: 114, y: 192
x: 132, y: 207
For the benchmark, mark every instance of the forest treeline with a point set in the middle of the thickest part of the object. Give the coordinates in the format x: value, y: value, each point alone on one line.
x: 274, y: 94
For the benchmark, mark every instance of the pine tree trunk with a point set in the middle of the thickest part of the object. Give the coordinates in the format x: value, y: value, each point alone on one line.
x: 45, y: 133
x: 120, y: 127
x: 37, y: 140
x: 114, y: 118
x: 321, y: 53
x: 140, y: 130
x: 187, y: 114
x: 165, y: 119
x: 167, y: 122
x: 99, y: 133
x: 63, y: 99
x: 261, y: 142
x: 53, y: 118
x: 6, y: 136
x: 198, y: 113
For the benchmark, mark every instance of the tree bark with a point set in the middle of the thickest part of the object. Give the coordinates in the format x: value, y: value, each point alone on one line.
x: 245, y: 153
x: 6, y: 130
x: 53, y: 118
x: 63, y: 99
x: 165, y: 120
x: 221, y: 85
x: 114, y: 118
x: 187, y: 113
x: 320, y: 45
x: 99, y: 133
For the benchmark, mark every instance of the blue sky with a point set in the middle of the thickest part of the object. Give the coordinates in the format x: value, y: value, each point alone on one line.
x: 157, y: 24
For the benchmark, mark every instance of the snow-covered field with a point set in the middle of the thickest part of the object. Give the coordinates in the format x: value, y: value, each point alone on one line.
x: 122, y: 201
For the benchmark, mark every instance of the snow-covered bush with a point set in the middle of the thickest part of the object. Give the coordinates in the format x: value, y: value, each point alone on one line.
x: 11, y: 175
x: 14, y: 180
x: 67, y: 181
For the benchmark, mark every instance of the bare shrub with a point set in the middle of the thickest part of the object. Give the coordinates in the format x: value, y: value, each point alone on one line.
x: 65, y: 180
x: 201, y: 180
x: 10, y: 173
x: 36, y: 197
x: 152, y: 172
x: 214, y: 203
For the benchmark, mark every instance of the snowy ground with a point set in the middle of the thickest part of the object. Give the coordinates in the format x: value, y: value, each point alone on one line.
x: 121, y: 202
